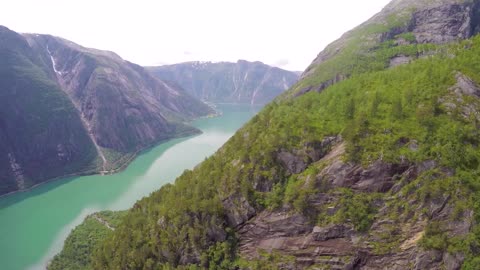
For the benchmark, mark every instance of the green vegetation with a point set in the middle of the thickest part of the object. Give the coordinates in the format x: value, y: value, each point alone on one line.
x: 80, y: 243
x: 356, y: 208
x: 266, y: 261
x: 409, y: 36
x: 405, y: 102
x: 400, y: 115
x: 359, y: 52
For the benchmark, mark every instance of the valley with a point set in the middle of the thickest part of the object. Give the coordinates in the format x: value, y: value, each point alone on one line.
x: 36, y: 222
x: 241, y: 82
x: 369, y: 159
x: 70, y: 110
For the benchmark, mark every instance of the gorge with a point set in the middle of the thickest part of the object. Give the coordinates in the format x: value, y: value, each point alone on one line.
x: 36, y: 222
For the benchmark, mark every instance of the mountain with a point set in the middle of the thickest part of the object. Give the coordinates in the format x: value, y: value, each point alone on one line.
x: 66, y: 109
x: 241, y: 82
x: 370, y: 161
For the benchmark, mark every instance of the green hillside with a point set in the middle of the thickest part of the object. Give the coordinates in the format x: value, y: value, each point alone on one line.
x: 364, y: 163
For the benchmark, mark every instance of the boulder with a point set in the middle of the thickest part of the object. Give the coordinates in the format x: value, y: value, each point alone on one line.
x: 238, y: 210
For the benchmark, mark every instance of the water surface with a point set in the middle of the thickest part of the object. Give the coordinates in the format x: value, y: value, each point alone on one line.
x: 34, y: 224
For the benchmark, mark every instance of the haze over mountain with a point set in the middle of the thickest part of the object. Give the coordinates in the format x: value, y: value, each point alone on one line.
x: 66, y: 109
x: 370, y: 161
x: 166, y: 32
x: 241, y: 82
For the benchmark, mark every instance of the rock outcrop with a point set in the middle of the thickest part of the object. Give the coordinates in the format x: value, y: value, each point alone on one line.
x: 434, y: 22
x: 341, y: 246
x: 443, y: 23
x: 238, y: 210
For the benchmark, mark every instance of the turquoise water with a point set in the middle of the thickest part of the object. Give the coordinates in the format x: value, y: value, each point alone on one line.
x: 34, y: 224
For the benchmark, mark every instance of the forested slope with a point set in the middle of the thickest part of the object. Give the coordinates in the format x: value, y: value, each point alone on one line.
x: 376, y: 167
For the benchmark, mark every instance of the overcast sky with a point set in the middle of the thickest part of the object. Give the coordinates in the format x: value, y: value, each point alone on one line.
x: 285, y: 33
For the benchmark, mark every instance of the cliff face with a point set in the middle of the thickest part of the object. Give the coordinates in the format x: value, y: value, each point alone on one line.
x: 241, y: 82
x: 370, y: 161
x: 117, y: 106
x: 403, y: 22
x: 123, y: 105
x: 41, y: 135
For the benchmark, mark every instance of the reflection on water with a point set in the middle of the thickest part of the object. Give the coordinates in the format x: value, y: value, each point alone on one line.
x: 166, y: 167
x: 34, y: 224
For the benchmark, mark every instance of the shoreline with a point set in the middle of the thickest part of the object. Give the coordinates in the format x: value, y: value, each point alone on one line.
x: 115, y: 170
x: 124, y: 165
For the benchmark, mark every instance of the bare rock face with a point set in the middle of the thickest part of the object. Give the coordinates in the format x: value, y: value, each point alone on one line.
x: 465, y: 86
x: 453, y: 261
x: 238, y: 210
x: 290, y: 233
x: 378, y: 177
x: 455, y: 102
x: 293, y: 163
x: 340, y: 245
x: 122, y: 105
x: 443, y: 24
x: 427, y: 260
x: 400, y: 60
x: 72, y: 110
x: 240, y: 82
x: 331, y: 232
x: 297, y: 161
x: 41, y: 135
x: 429, y: 21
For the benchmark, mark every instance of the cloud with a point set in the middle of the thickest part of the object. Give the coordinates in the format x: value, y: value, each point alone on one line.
x: 187, y: 53
x: 160, y: 63
x: 281, y: 63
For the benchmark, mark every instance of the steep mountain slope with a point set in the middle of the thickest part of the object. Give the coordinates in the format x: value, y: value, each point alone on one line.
x: 241, y: 82
x: 97, y: 100
x: 370, y: 161
x: 41, y: 135
x: 400, y: 24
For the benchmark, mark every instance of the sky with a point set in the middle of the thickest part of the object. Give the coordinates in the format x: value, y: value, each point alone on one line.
x: 284, y: 33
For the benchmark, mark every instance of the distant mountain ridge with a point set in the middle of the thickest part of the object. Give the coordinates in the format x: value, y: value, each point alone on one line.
x: 66, y: 109
x: 225, y: 82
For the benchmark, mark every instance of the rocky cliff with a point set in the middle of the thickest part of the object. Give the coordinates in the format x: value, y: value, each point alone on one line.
x: 41, y: 134
x: 69, y: 109
x: 370, y: 161
x: 402, y: 22
x: 241, y: 82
